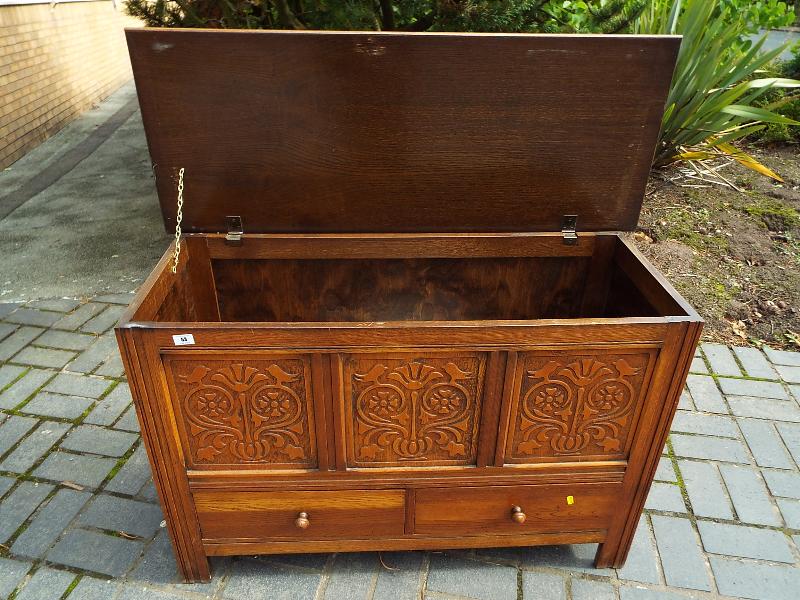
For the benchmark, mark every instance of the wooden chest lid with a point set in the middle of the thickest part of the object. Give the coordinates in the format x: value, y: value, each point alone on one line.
x: 393, y: 132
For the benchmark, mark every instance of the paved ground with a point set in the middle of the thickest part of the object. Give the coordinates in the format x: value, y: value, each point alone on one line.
x: 78, y: 514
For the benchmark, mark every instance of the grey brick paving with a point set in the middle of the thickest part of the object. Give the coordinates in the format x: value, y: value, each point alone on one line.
x: 755, y: 363
x: 706, y: 394
x: 403, y: 582
x: 121, y: 514
x: 46, y: 584
x: 17, y: 341
x: 457, y: 576
x: 692, y: 422
x: 755, y: 580
x: 764, y: 408
x: 84, y: 470
x: 104, y: 321
x: 782, y: 357
x: 747, y: 387
x: 765, y: 444
x: 31, y: 449
x: 681, y: 556
x: 13, y: 430
x: 30, y: 316
x: 790, y: 509
x: 711, y: 448
x: 721, y: 360
x: 744, y: 541
x: 124, y: 298
x: 111, y: 407
x: 643, y: 562
x: 19, y: 505
x: 749, y: 496
x: 11, y: 573
x: 790, y: 434
x: 97, y: 552
x: 783, y: 484
x: 9, y: 373
x: 128, y: 421
x: 77, y: 318
x: 76, y: 385
x: 65, y: 340
x: 665, y: 470
x: 698, y: 365
x: 94, y: 356
x: 6, y: 483
x: 256, y: 579
x: 665, y: 497
x: 789, y: 374
x: 63, y: 305
x: 48, y: 524
x: 97, y: 440
x: 89, y: 588
x: 6, y: 329
x: 56, y: 405
x: 133, y: 474
x: 44, y: 357
x: 21, y: 389
x: 546, y: 586
x: 588, y: 589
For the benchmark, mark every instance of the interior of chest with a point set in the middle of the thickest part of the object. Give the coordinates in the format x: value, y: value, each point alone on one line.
x: 245, y: 284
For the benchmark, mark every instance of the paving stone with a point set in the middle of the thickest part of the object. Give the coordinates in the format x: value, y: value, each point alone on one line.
x: 23, y: 388
x: 577, y: 557
x: 98, y: 440
x: 665, y: 471
x: 94, y: 356
x: 112, y: 367
x: 758, y: 389
x: 17, y: 341
x: 96, y: 552
x: 744, y: 541
x: 755, y: 580
x: 6, y: 483
x: 312, y: 561
x: 104, y: 321
x: 543, y: 586
x: 665, y: 497
x: 11, y: 573
x: 706, y: 394
x: 124, y: 298
x: 782, y: 357
x: 19, y: 505
x: 762, y: 408
x: 717, y: 425
x: 721, y: 360
x: 134, y: 592
x: 13, y: 430
x: 749, y: 496
x: 48, y: 524
x: 405, y: 581
x: 789, y: 374
x: 148, y: 492
x: 6, y: 308
x: 78, y: 385
x: 351, y: 576
x: 133, y: 474
x: 790, y: 509
x: 77, y: 318
x: 642, y: 563
x: 56, y: 405
x: 710, y: 448
x: 31, y: 449
x: 111, y: 407
x: 640, y: 593
x: 30, y: 316
x: 765, y: 444
x: 9, y: 373
x: 680, y: 552
x: 783, y: 484
x: 6, y: 329
x: 705, y: 489
x: 121, y: 514
x: 685, y: 402
x: 461, y: 577
x: 87, y: 471
x: 46, y: 584
x: 698, y: 366
x: 65, y: 340
x: 44, y: 357
x: 89, y: 588
x: 63, y: 305
x: 129, y: 421
x: 790, y: 433
x: 256, y: 579
x: 754, y: 362
x: 589, y: 589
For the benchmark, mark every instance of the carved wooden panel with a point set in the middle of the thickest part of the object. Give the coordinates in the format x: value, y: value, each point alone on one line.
x: 576, y: 406
x: 244, y: 411
x: 413, y: 410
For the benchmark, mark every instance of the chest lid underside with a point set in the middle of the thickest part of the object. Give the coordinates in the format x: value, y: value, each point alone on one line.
x: 392, y: 132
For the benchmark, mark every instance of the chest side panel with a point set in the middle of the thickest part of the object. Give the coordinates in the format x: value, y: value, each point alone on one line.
x: 413, y: 409
x: 576, y: 405
x: 244, y: 411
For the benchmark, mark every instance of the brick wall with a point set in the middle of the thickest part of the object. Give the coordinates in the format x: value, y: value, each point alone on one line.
x: 55, y: 62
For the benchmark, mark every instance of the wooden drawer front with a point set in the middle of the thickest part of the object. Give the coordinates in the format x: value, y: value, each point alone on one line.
x: 414, y: 409
x: 249, y: 411
x: 488, y: 510
x: 576, y: 405
x: 350, y: 514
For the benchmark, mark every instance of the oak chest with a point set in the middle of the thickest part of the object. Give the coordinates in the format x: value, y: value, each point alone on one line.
x: 402, y: 315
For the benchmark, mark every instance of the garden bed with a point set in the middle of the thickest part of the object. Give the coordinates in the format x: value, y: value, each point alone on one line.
x: 734, y: 255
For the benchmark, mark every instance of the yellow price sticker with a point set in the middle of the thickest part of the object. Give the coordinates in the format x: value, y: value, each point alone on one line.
x: 570, y: 500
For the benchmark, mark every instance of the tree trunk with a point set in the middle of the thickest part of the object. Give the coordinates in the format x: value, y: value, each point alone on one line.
x: 286, y: 16
x: 387, y: 15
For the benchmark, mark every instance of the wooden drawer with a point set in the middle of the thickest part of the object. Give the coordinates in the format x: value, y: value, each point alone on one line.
x: 330, y: 514
x: 489, y: 510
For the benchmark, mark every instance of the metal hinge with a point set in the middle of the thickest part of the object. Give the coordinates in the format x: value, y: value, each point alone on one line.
x: 568, y: 225
x: 235, y: 230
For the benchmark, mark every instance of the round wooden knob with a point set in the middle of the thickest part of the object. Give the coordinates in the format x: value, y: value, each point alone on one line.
x: 302, y: 521
x: 517, y: 515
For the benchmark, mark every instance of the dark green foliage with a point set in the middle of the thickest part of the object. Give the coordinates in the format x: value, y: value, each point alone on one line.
x: 604, y: 16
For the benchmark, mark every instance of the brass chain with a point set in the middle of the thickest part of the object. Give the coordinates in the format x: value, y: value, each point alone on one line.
x: 178, y: 219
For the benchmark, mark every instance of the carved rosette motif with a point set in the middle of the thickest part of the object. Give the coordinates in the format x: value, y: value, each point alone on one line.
x: 577, y: 405
x: 246, y: 412
x: 416, y: 411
